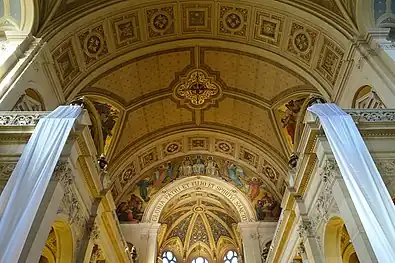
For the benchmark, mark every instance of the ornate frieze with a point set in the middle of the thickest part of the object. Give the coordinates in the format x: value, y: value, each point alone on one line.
x: 20, y: 118
x: 373, y: 115
x: 6, y: 170
x: 386, y: 167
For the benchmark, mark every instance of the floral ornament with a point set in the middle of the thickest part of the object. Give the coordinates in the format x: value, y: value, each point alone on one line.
x: 197, y: 89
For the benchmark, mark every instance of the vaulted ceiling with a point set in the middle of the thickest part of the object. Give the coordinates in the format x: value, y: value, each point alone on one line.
x: 173, y: 78
x: 199, y: 223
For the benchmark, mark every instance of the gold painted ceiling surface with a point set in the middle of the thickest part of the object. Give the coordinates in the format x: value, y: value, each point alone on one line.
x: 198, y: 224
x: 168, y: 79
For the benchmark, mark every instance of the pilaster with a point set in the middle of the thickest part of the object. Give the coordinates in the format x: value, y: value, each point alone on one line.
x: 254, y: 236
x: 144, y: 237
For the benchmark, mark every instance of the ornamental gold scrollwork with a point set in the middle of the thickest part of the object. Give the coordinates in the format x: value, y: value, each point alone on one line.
x: 197, y: 89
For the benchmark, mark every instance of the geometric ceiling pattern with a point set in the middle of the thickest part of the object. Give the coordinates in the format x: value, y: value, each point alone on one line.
x: 91, y: 44
x: 198, y: 224
x: 144, y: 90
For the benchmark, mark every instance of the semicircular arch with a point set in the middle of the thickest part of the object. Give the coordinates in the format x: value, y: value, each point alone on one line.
x: 93, y: 74
x: 214, y: 186
x: 270, y: 169
x: 325, y: 32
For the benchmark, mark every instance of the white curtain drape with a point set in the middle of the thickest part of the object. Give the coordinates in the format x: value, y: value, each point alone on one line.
x: 25, y: 189
x: 365, y: 185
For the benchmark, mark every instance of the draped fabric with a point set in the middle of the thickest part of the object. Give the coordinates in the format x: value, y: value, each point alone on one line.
x: 25, y: 189
x: 364, y: 183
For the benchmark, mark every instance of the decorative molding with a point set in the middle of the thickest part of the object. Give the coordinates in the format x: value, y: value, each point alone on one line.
x: 322, y: 205
x: 16, y: 118
x: 305, y: 229
x: 94, y: 233
x: 301, y: 250
x: 70, y: 205
x: 96, y: 254
x: 6, y: 170
x: 197, y: 89
x: 372, y: 115
x: 63, y: 174
x: 386, y: 167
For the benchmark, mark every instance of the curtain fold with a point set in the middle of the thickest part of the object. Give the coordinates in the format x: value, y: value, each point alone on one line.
x: 28, y: 182
x: 365, y: 185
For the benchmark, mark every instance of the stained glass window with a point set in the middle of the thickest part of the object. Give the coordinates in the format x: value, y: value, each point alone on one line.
x: 231, y: 257
x: 168, y: 257
x: 199, y: 260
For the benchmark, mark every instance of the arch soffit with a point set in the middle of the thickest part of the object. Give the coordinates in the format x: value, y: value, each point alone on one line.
x: 275, y: 186
x: 328, y: 37
x: 88, y: 85
x: 230, y: 193
x: 64, y: 237
x: 237, y: 94
x: 252, y: 141
x: 212, y: 140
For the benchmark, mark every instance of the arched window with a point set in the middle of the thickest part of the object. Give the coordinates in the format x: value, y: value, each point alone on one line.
x: 168, y: 257
x: 199, y: 260
x: 231, y: 257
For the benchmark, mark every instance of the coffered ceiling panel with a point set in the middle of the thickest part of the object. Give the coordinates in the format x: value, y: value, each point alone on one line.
x: 152, y: 117
x: 251, y: 73
x: 246, y: 117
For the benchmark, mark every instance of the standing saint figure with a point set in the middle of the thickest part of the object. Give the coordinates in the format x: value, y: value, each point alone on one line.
x: 211, y: 167
x: 255, y: 188
x: 290, y: 119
